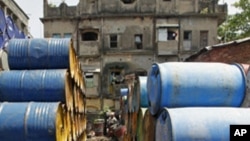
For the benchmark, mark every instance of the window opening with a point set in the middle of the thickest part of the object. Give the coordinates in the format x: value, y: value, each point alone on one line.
x: 138, y: 41
x: 67, y: 35
x: 128, y: 1
x: 172, y: 35
x: 89, y: 78
x: 187, y: 40
x: 203, y: 39
x: 89, y: 36
x: 165, y: 34
x: 187, y: 35
x: 56, y: 35
x: 113, y: 41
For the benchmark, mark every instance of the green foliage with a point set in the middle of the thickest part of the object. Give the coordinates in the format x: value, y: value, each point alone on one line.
x: 237, y: 26
x: 51, y: 5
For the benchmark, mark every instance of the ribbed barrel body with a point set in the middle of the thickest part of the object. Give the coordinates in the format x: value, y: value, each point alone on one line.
x: 33, y: 85
x: 39, y: 53
x: 31, y: 121
x: 206, y: 124
x: 195, y: 84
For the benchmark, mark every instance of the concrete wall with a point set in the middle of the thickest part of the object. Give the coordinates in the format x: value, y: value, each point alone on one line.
x: 90, y: 63
x: 167, y: 48
x: 163, y: 7
x: 88, y: 7
x: 57, y: 26
x: 92, y: 84
x: 197, y: 24
x: 63, y: 10
x: 140, y: 61
x: 187, y: 6
x: 145, y: 6
x: 126, y: 28
x: 95, y: 104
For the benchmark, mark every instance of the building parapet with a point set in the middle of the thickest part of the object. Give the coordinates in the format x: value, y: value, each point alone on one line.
x: 113, y: 7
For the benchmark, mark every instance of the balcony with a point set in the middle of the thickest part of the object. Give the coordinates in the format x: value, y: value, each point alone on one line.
x: 167, y: 47
x: 89, y: 48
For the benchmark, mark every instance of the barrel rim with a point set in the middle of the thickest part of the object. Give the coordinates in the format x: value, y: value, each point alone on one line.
x: 245, y: 80
x: 166, y: 112
x: 140, y: 80
x: 154, y: 109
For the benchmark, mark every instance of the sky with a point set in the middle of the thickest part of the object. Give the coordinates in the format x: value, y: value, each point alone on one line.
x: 34, y: 10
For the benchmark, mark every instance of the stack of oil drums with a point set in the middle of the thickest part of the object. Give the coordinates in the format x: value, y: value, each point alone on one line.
x: 43, y: 93
x: 192, y: 101
x: 146, y: 122
x: 130, y: 105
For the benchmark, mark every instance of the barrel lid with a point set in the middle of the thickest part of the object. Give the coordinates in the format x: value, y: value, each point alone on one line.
x: 246, y: 102
x: 153, y: 89
x: 245, y: 72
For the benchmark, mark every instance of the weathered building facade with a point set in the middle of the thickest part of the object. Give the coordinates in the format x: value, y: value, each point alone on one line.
x: 115, y: 37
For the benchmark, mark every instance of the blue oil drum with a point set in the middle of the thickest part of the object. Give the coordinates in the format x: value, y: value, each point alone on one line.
x: 39, y: 53
x: 2, y: 21
x: 124, y: 99
x: 11, y: 28
x: 31, y: 122
x: 143, y: 91
x: 33, y: 85
x: 16, y: 31
x: 20, y: 34
x: 179, y: 84
x: 199, y: 124
x: 2, y: 28
x: 1, y: 41
x: 124, y: 92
